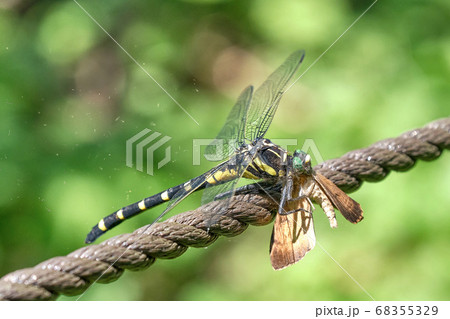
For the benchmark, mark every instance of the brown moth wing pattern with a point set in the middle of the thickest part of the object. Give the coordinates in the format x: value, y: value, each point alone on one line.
x: 292, y: 236
x: 349, y: 208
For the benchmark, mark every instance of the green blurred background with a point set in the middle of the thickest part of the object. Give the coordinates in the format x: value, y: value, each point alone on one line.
x: 70, y: 98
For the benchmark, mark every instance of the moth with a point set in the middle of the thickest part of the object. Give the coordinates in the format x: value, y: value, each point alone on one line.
x: 293, y: 231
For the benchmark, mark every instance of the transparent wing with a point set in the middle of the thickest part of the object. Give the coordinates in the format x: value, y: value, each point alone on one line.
x: 267, y: 97
x: 237, y: 164
x: 199, y: 182
x: 232, y: 133
x: 194, y: 185
x: 269, y: 187
x: 210, y: 193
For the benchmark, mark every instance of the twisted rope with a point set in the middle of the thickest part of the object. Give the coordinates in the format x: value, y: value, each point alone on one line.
x: 72, y: 274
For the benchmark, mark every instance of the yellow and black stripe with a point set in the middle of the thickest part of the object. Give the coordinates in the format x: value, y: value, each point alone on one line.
x: 129, y: 211
x: 268, y: 163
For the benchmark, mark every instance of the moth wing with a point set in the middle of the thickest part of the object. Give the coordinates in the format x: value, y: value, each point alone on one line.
x: 349, y: 208
x: 292, y: 236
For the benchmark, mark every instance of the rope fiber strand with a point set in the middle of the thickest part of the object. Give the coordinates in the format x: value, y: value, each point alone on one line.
x: 73, y: 274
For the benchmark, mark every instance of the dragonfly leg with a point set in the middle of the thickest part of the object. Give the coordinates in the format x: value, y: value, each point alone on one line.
x: 286, y: 195
x: 300, y: 209
x: 255, y: 188
x: 295, y: 211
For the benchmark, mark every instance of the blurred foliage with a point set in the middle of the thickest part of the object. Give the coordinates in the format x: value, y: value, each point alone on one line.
x: 70, y: 98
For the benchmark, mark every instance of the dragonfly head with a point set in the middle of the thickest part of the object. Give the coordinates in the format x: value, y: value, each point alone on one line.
x: 301, y: 162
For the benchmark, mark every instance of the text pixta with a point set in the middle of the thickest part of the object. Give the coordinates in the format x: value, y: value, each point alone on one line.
x: 337, y: 311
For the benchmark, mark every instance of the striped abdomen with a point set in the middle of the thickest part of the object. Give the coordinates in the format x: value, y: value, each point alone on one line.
x: 129, y: 211
x: 266, y: 164
x: 222, y: 175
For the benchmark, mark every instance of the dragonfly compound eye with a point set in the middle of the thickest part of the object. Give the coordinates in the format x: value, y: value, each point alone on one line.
x: 297, y: 163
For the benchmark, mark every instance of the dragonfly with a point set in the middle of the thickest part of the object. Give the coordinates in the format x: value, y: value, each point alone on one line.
x: 254, y: 157
x: 241, y: 140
